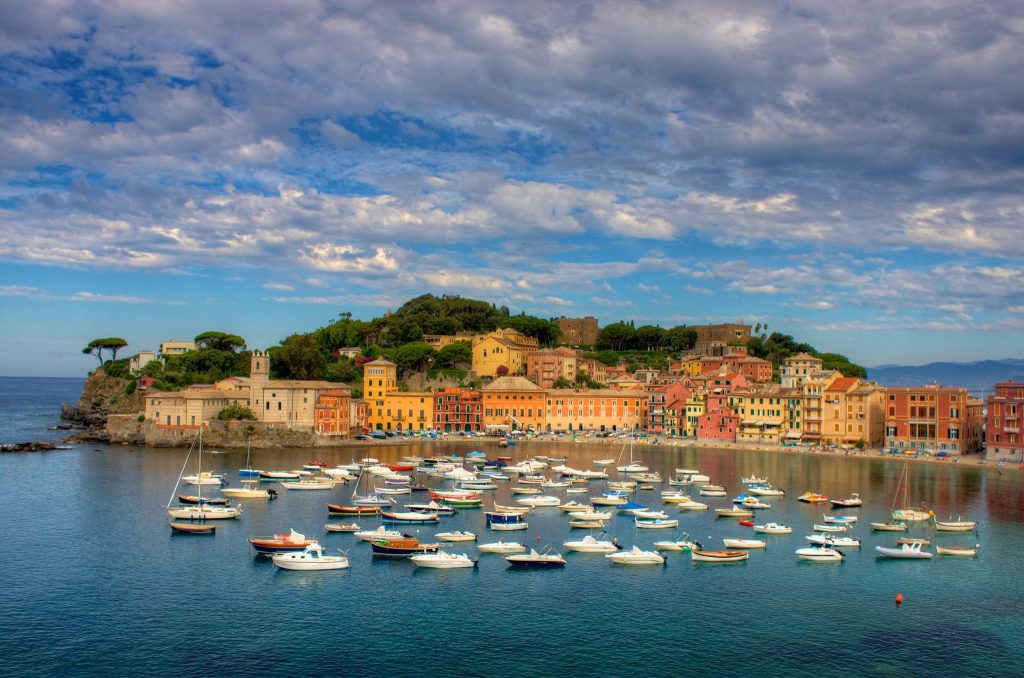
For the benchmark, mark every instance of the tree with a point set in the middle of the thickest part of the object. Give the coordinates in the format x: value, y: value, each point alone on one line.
x: 562, y: 382
x: 836, y: 361
x: 451, y: 355
x: 415, y: 356
x: 610, y: 358
x: 97, y: 346
x: 680, y: 338
x: 220, y: 341
x: 236, y: 412
x: 501, y: 370
x: 298, y: 357
x: 649, y: 337
x: 616, y: 336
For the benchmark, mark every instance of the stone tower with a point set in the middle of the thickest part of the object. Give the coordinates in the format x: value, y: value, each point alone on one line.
x: 259, y: 375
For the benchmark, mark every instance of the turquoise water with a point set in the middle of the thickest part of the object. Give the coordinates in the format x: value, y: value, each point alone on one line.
x: 94, y: 583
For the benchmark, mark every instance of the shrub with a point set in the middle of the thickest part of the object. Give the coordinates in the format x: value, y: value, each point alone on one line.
x: 236, y: 412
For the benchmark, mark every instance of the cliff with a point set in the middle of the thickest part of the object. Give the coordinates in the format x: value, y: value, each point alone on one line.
x: 102, y: 395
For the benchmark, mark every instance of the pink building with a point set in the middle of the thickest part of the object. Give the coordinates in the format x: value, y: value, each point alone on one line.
x: 1003, y: 439
x: 718, y: 425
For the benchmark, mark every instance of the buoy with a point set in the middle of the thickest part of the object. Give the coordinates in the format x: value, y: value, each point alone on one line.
x: 899, y: 599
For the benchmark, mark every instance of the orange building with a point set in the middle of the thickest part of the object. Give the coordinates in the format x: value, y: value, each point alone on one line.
x: 513, y: 403
x: 332, y: 413
x: 932, y: 419
x: 595, y: 410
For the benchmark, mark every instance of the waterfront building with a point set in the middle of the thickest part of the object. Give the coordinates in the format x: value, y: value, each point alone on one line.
x: 578, y: 331
x: 291, y: 402
x: 852, y: 412
x: 719, y: 422
x: 191, y: 407
x: 1003, y: 441
x: 389, y: 409
x: 359, y: 415
x: 174, y: 347
x: 813, y: 387
x: 333, y: 413
x: 932, y: 419
x: 504, y: 347
x: 696, y: 407
x: 458, y: 409
x: 512, y: 403
x: 763, y: 411
x: 595, y: 410
x: 658, y: 400
x: 140, y: 360
x: 796, y: 369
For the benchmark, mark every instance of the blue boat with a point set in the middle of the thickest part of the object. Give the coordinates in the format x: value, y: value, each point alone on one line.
x: 630, y: 506
x: 502, y: 517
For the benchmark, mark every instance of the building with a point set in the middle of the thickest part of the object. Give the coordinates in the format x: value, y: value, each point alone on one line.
x: 546, y: 366
x: 659, y: 419
x: 1003, y: 441
x: 347, y: 352
x: 595, y: 410
x: 503, y: 348
x: 932, y: 419
x: 173, y: 347
x: 458, y: 409
x: 716, y: 339
x: 719, y: 422
x: 389, y: 409
x: 359, y: 413
x: 439, y: 341
x: 291, y: 402
x: 512, y: 403
x: 192, y: 407
x: 140, y: 360
x: 764, y: 413
x: 578, y: 331
x: 333, y: 413
x: 595, y: 370
x: 754, y: 369
x: 853, y: 413
x: 796, y: 369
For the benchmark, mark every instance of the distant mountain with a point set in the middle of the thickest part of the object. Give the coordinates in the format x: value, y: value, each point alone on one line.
x: 977, y: 377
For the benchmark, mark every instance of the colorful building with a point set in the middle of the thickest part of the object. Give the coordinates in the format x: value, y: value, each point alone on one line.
x: 333, y: 412
x: 932, y: 419
x: 1003, y: 441
x: 719, y: 422
x: 852, y: 413
x: 546, y: 366
x: 389, y: 409
x: 763, y: 411
x: 512, y: 403
x: 796, y: 369
x: 595, y: 410
x: 503, y: 348
x: 458, y: 409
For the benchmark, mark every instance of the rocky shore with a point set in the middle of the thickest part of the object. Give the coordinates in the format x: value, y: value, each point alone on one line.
x: 28, y: 447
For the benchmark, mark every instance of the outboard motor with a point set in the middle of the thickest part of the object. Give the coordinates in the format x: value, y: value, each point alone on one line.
x: 272, y: 494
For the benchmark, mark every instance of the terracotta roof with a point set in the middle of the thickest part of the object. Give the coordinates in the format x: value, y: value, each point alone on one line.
x: 380, y: 361
x: 511, y: 384
x: 841, y: 384
x: 597, y: 392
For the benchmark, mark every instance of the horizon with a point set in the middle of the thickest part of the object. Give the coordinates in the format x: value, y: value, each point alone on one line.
x: 846, y: 175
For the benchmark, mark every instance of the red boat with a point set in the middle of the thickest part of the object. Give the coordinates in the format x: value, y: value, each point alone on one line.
x: 342, y: 510
x: 401, y: 467
x: 747, y: 523
x: 505, y: 458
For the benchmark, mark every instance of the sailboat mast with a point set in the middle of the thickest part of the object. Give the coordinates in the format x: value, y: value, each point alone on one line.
x: 199, y: 491
x: 183, y: 466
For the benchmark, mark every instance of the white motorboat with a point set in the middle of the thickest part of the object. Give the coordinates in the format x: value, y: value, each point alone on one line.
x: 734, y: 512
x: 455, y: 536
x: 518, y: 489
x: 766, y: 490
x: 534, y: 560
x: 609, y: 500
x: 773, y: 528
x: 250, y: 490
x: 591, y: 545
x: 687, y: 471
x: 442, y: 561
x: 603, y: 462
x: 204, y: 478
x: 753, y: 480
x: 657, y: 524
x: 203, y: 512
x: 590, y: 475
x: 339, y: 473
x: 621, y: 485
x: 311, y: 558
x: 590, y: 515
x: 691, y: 506
x: 577, y: 490
x: 704, y: 492
x: 679, y: 482
x: 819, y: 554
x: 955, y: 525
x: 743, y: 543
x: 555, y: 484
x: 501, y: 547
x: 575, y: 506
x: 754, y: 503
x: 545, y: 500
x: 650, y: 515
x: 380, y: 533
x: 833, y: 540
x: 308, y: 484
x: 957, y: 550
x: 908, y: 551
x: 279, y: 475
x: 911, y: 515
x: 682, y: 544
x: 632, y: 468
x: 853, y: 501
x: 840, y: 520
x: 698, y: 478
x: 636, y: 556
x: 829, y: 527
x: 648, y: 477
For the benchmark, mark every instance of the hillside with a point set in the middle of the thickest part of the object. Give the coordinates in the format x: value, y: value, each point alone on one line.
x: 977, y: 377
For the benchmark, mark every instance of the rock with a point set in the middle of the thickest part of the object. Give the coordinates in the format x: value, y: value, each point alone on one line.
x: 28, y: 447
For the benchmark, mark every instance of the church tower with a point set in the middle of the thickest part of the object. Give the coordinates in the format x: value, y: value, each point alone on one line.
x: 259, y: 375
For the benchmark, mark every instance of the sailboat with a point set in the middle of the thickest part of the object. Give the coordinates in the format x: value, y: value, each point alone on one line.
x: 251, y: 486
x: 907, y: 513
x: 355, y: 508
x: 199, y: 511
x: 631, y: 467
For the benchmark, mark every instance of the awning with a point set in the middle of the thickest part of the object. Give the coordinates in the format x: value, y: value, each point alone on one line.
x: 496, y: 427
x: 812, y: 436
x: 793, y: 434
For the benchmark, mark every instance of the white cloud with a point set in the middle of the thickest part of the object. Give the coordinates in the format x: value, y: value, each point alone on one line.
x: 280, y: 287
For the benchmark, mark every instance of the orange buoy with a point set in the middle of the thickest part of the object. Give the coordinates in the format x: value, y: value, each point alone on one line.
x: 899, y: 599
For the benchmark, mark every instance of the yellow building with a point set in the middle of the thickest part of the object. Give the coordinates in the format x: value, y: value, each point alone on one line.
x: 595, y: 410
x: 764, y: 412
x: 501, y: 348
x: 389, y: 409
x: 192, y: 407
x: 852, y: 411
x: 692, y: 367
x: 696, y: 407
x: 173, y: 347
x: 813, y: 387
x: 799, y: 368
x: 513, y: 403
x: 439, y: 341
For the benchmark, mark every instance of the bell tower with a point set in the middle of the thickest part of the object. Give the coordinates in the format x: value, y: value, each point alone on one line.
x: 259, y: 375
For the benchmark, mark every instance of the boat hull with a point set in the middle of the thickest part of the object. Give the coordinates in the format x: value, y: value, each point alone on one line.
x: 718, y: 556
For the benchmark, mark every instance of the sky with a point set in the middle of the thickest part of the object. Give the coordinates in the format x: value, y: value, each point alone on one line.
x: 848, y: 173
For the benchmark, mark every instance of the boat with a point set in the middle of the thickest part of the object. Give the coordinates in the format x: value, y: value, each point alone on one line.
x: 342, y: 527
x: 812, y: 498
x: 344, y: 510
x: 954, y: 525
x: 909, y: 551
x: 743, y: 544
x: 702, y: 556
x: 281, y: 543
x: 773, y: 528
x: 609, y: 499
x: 630, y: 507
x: 308, y: 484
x: 650, y: 515
x: 587, y: 524
x: 192, y: 528
x: 501, y: 547
x: 195, y: 499
x: 315, y: 465
x: 309, y: 559
x: 714, y: 488
x: 829, y: 527
x: 204, y: 478
x: 274, y: 476
x: 925, y: 541
x: 675, y: 497
x: 458, y: 535
x: 534, y: 560
x: 443, y: 560
x: 250, y: 490
x: 465, y: 502
x: 510, y: 509
x: 572, y: 506
x: 541, y: 501
x: 746, y: 522
x: 577, y: 490
x: 691, y: 506
x: 753, y: 480
x: 400, y: 547
x: 833, y: 540
x: 819, y: 554
x: 766, y: 490
x: 681, y: 544
x: 200, y: 511
x: 590, y: 515
x: 754, y: 503
x: 889, y: 526
x: 734, y: 512
x: 555, y: 484
x: 372, y: 499
x: 704, y: 492
x: 657, y: 524
x: 632, y: 466
x: 525, y: 490
x: 840, y: 520
x: 409, y: 517
x: 591, y: 545
x: 625, y: 486
x: 957, y: 550
x: 636, y: 556
x: 432, y: 507
x: 687, y: 471
x: 907, y: 514
x: 852, y: 501
x: 390, y: 490
x: 509, y: 527
x: 648, y: 478
x: 603, y: 462
x: 380, y: 533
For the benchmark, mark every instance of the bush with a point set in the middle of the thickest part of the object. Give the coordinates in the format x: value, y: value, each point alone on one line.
x: 130, y: 388
x: 236, y: 412
x: 141, y: 418
x: 117, y: 368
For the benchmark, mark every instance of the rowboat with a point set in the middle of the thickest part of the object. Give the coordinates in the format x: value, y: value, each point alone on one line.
x: 194, y: 499
x: 534, y: 560
x: 501, y: 547
x: 840, y: 520
x: 525, y: 490
x: 658, y: 524
x: 590, y: 515
x: 442, y: 560
x: 701, y: 556
x: 957, y: 550
x: 743, y: 544
x: 908, y: 551
x: 465, y: 502
x: 829, y: 527
x: 281, y: 543
x: 675, y: 497
x: 889, y: 526
x: 400, y: 547
x: 272, y: 476
x: 390, y: 490
x: 432, y: 507
x: 458, y: 535
x: 575, y: 506
x: 955, y: 525
x: 636, y: 556
x: 650, y: 515
x: 540, y: 501
x: 819, y: 554
x: 773, y: 528
x: 380, y: 533
x: 587, y: 524
x: 746, y: 522
x: 308, y: 484
x: 924, y: 541
x: 704, y: 492
x: 852, y: 501
x: 510, y: 509
x: 343, y: 510
x: 733, y: 512
x: 341, y: 527
x: 309, y: 559
x: 192, y: 528
x: 508, y: 527
x: 691, y: 506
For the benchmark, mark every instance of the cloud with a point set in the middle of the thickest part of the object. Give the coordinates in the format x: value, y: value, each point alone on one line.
x: 647, y: 288
x: 280, y: 287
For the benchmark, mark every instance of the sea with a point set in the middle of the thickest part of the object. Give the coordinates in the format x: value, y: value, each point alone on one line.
x: 95, y: 584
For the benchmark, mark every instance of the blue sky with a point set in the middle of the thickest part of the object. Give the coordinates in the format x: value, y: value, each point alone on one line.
x: 846, y: 173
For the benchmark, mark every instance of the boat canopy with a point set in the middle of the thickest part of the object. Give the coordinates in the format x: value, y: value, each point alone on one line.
x: 630, y: 506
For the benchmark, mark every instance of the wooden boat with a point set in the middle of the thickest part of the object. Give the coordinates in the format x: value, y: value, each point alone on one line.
x: 273, y: 476
x: 194, y: 499
x: 955, y: 525
x: 656, y: 524
x: 889, y: 526
x: 341, y: 527
x: 906, y: 551
x: 281, y: 543
x: 701, y: 556
x: 401, y: 547
x: 734, y: 512
x: 636, y: 556
x: 432, y: 507
x: 923, y: 541
x: 691, y: 506
x: 409, y: 517
x: 535, y: 561
x: 501, y: 508
x: 390, y: 490
x: 829, y: 527
x: 812, y: 498
x: 852, y: 501
x: 465, y: 502
x: 675, y: 497
x: 587, y: 524
x: 744, y: 544
x: 308, y: 484
x: 311, y: 558
x: 343, y: 510
x: 525, y: 490
x: 575, y: 506
x: 380, y: 533
x: 650, y: 515
x: 590, y: 515
x: 509, y: 527
x: 192, y: 528
x: 957, y: 550
x: 747, y: 522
